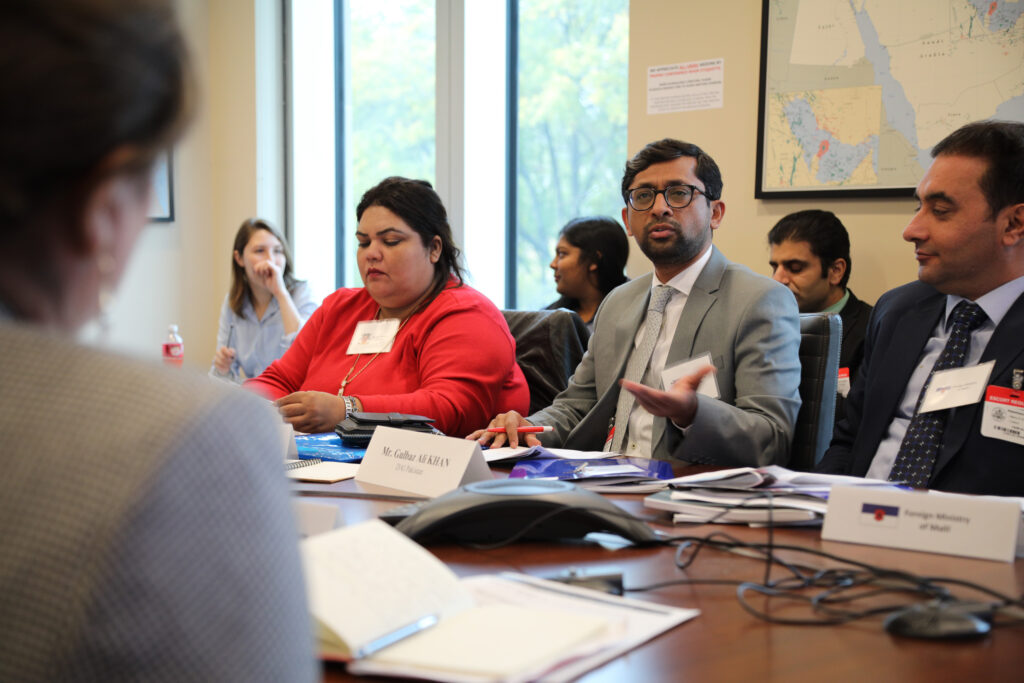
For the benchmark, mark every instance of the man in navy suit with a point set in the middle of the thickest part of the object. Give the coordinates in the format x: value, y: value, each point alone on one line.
x: 965, y: 315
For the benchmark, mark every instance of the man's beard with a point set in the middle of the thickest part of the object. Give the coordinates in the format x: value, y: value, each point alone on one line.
x: 675, y: 251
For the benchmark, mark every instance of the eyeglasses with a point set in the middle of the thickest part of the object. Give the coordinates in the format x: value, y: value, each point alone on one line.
x: 676, y: 196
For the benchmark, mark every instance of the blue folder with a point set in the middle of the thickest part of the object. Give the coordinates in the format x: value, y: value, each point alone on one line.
x: 326, y: 446
x: 565, y: 469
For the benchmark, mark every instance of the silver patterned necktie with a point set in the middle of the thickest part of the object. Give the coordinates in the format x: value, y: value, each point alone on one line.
x: 637, y: 365
x: 920, y: 447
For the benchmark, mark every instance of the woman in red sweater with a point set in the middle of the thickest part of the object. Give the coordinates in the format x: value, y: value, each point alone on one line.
x: 415, y: 339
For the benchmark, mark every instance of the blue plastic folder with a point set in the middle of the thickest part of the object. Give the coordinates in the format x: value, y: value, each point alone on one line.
x: 560, y: 468
x: 326, y: 446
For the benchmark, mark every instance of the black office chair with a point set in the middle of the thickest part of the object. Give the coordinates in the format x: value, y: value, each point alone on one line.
x: 820, y: 338
x: 549, y: 346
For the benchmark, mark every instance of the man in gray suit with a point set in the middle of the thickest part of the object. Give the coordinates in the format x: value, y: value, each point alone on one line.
x: 723, y: 340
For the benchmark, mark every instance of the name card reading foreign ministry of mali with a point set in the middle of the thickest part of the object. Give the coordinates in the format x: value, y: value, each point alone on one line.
x: 984, y: 527
x: 425, y: 465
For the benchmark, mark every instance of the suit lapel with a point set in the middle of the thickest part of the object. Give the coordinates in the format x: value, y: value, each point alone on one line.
x: 625, y: 333
x: 898, y: 361
x: 1006, y: 348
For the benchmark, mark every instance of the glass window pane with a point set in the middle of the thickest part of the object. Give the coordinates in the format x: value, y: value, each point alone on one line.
x: 486, y: 158
x: 312, y: 143
x: 389, y: 101
x: 573, y: 91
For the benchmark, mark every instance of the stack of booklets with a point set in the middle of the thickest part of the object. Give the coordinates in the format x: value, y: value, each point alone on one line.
x: 747, y: 495
x: 389, y: 607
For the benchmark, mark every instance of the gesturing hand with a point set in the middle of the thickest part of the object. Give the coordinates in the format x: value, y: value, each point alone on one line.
x: 678, y: 404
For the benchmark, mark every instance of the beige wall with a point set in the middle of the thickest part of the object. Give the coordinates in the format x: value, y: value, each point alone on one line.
x: 179, y: 273
x: 665, y: 32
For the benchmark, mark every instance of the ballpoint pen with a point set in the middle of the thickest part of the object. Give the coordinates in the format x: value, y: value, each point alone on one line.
x: 525, y: 429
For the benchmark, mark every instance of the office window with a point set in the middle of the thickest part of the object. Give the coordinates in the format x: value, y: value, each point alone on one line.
x: 571, y: 131
x: 391, y: 65
x: 389, y: 101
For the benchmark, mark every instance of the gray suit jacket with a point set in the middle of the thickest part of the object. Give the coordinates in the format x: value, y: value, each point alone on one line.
x: 147, y: 533
x: 750, y: 326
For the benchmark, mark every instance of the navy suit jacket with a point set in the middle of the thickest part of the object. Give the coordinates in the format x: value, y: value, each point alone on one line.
x: 900, y: 326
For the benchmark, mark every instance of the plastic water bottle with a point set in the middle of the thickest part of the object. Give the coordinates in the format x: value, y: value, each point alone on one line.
x: 174, y: 347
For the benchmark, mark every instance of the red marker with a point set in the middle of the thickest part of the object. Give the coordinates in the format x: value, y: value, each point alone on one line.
x: 525, y: 429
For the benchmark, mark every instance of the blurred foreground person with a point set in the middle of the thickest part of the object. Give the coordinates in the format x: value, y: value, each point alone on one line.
x: 144, y: 514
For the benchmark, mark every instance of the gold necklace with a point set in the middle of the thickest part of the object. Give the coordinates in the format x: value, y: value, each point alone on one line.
x: 349, y: 376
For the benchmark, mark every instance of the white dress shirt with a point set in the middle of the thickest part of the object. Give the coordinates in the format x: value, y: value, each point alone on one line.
x: 641, y: 423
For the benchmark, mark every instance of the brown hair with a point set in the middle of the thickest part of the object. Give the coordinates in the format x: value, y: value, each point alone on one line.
x: 240, y: 289
x: 80, y: 79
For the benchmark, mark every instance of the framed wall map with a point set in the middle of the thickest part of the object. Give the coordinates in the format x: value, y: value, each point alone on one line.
x: 854, y: 93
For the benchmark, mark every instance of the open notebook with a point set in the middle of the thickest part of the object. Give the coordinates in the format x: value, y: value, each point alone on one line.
x: 390, y: 607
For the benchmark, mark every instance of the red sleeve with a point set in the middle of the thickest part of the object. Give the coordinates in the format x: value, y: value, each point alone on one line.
x: 465, y: 357
x: 286, y: 374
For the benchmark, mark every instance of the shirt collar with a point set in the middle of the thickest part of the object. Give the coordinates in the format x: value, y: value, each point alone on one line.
x: 995, y: 303
x: 838, y: 306
x: 683, y: 281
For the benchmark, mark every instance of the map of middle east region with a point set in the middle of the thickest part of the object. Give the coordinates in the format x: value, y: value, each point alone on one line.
x: 858, y: 91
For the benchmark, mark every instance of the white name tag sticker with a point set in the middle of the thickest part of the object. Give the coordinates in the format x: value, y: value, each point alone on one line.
x: 949, y: 523
x: 1002, y: 415
x: 421, y: 464
x: 373, y: 336
x: 708, y: 385
x: 956, y: 387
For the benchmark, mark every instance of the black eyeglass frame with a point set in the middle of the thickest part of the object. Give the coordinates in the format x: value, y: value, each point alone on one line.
x: 694, y: 191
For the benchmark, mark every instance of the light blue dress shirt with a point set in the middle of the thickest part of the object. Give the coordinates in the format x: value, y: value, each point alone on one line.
x: 995, y: 304
x: 259, y: 342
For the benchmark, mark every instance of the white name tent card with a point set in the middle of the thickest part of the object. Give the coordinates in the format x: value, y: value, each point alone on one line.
x: 948, y: 523
x: 422, y: 464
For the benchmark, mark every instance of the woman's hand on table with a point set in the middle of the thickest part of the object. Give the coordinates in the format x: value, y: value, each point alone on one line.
x: 311, y: 411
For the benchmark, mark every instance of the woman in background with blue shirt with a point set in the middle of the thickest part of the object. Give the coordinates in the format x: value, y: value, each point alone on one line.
x: 265, y: 307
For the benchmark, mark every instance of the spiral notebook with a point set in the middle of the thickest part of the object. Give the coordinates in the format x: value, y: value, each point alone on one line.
x: 320, y: 471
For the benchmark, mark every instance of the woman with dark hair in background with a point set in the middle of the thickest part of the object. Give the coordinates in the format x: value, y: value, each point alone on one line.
x: 147, y: 533
x: 265, y: 306
x: 414, y: 339
x: 590, y: 258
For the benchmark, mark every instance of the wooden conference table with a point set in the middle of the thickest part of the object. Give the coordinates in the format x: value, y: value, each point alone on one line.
x: 725, y: 643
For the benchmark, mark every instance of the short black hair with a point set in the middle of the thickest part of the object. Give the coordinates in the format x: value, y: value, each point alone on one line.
x: 667, y: 150
x: 1001, y: 144
x: 823, y: 231
x: 601, y: 241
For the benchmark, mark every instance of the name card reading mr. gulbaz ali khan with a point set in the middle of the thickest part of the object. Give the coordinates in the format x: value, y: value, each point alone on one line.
x: 421, y: 464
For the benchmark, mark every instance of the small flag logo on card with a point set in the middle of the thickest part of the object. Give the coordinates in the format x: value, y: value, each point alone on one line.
x: 879, y: 515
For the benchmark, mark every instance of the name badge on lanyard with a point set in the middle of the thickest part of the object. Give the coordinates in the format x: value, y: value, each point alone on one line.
x: 373, y: 336
x: 1003, y: 416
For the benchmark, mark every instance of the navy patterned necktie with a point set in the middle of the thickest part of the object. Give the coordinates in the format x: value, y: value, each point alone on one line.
x: 916, y: 457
